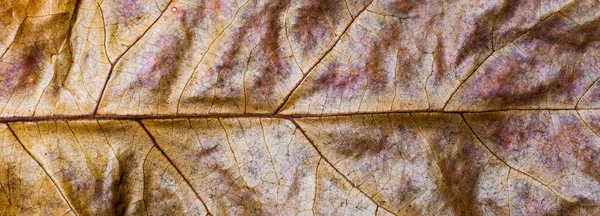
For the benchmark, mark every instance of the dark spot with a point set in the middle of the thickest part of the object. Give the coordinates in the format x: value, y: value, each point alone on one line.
x: 574, y: 208
x: 315, y: 21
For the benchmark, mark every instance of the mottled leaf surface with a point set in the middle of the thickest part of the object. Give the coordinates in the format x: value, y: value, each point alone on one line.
x: 288, y: 107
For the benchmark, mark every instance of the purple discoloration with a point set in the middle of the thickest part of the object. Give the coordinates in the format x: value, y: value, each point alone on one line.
x: 230, y: 62
x: 340, y: 78
x: 343, y: 80
x: 239, y: 194
x: 22, y: 72
x: 512, y: 138
x: 272, y: 65
x: 555, y: 74
x: 574, y: 147
x: 193, y: 17
x: 220, y: 74
x: 160, y: 65
x: 129, y: 10
x: 508, y: 81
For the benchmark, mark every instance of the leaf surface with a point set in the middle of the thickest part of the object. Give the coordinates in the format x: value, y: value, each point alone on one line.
x: 339, y: 107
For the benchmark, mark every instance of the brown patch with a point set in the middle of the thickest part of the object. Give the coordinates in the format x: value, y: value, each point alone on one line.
x: 130, y: 10
x: 23, y: 72
x: 403, y: 7
x: 315, y: 22
x: 273, y: 65
x: 376, y: 54
x: 561, y: 32
x: 375, y: 69
x: 440, y: 61
x: 478, y: 40
x: 238, y: 193
x: 355, y: 145
x: 574, y: 208
x: 459, y: 162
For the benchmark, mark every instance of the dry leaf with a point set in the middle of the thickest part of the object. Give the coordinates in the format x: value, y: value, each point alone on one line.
x: 279, y: 107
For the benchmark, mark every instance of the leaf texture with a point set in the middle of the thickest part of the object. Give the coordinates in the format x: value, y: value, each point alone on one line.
x: 280, y: 107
